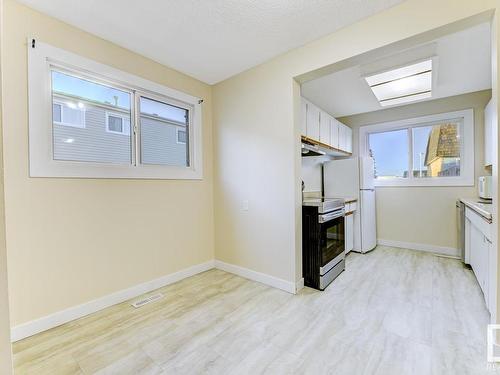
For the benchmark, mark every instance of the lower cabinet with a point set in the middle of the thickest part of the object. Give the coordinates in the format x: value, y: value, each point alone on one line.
x: 349, y: 231
x: 479, y: 258
x: 479, y: 249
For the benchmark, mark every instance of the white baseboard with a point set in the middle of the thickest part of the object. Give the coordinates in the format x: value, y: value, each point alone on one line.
x: 263, y: 278
x: 42, y: 324
x: 440, y: 250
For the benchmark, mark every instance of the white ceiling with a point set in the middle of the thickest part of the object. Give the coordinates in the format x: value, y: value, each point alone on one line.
x: 463, y: 65
x: 213, y: 39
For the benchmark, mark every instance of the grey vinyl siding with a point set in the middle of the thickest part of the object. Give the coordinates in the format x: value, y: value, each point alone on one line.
x: 94, y: 144
x: 91, y: 143
x: 159, y: 143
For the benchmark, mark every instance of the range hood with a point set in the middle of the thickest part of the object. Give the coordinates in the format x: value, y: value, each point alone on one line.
x: 311, y: 147
x: 311, y: 150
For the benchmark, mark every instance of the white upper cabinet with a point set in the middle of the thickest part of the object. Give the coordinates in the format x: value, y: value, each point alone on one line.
x: 489, y: 120
x: 342, y: 136
x: 303, y: 117
x: 334, y: 132
x: 313, y: 122
x: 324, y: 128
x: 345, y: 137
x: 348, y: 139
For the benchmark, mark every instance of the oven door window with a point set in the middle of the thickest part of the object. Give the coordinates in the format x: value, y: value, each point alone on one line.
x: 332, y: 239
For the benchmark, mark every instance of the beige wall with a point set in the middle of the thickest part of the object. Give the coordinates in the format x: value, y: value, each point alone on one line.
x: 70, y: 241
x: 424, y: 215
x: 5, y: 347
x: 256, y: 134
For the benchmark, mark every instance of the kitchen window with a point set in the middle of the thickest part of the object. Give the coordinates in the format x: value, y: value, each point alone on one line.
x: 436, y: 150
x: 99, y: 122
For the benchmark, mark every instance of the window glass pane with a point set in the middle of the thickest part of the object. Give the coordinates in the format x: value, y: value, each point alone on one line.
x: 159, y: 124
x: 56, y: 112
x: 81, y: 134
x: 115, y: 124
x: 390, y: 152
x: 165, y: 111
x: 436, y: 150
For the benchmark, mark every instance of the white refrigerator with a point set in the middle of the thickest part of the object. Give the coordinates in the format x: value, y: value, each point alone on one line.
x: 353, y: 178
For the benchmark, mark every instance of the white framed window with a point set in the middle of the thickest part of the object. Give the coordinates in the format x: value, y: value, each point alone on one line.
x: 68, y: 113
x: 89, y: 120
x: 117, y: 123
x: 434, y: 150
x: 181, y: 136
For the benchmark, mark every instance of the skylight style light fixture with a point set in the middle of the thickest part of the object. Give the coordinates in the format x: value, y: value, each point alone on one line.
x: 402, y: 85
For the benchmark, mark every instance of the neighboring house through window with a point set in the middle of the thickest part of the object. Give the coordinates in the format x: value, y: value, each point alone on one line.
x: 435, y: 150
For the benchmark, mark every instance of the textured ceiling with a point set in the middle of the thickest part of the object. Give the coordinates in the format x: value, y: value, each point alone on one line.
x: 463, y: 65
x: 213, y: 39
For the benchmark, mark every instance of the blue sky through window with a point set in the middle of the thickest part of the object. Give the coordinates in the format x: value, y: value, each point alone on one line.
x: 390, y: 151
x: 167, y: 111
x: 68, y: 84
x: 89, y: 90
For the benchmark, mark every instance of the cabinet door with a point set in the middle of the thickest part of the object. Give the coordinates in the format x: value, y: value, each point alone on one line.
x: 488, y: 288
x: 492, y: 289
x: 312, y: 121
x: 484, y: 259
x: 479, y: 258
x: 475, y: 238
x: 303, y: 117
x: 324, y: 128
x: 348, y: 139
x: 334, y: 132
x: 349, y: 232
x: 489, y: 119
x: 342, y: 136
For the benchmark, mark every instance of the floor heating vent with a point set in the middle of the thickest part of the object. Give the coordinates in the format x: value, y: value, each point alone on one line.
x: 146, y: 300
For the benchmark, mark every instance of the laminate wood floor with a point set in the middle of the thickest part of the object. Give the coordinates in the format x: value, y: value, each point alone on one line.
x: 393, y: 311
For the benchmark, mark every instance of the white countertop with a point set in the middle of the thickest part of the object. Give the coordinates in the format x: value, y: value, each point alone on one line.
x: 317, y: 194
x: 485, y: 210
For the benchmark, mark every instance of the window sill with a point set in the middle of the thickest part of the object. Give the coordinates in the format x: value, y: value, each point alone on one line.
x: 425, y: 182
x: 67, y: 169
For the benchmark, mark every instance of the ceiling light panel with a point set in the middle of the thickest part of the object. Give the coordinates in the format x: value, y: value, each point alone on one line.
x: 405, y: 99
x: 402, y: 85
